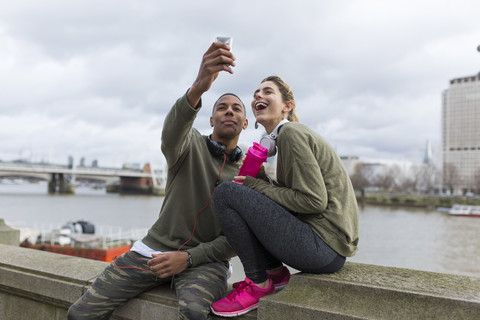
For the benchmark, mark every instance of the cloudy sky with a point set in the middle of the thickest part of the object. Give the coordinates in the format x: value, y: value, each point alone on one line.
x: 95, y: 79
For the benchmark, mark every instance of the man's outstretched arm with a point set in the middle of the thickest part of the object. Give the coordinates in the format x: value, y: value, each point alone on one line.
x: 217, y: 58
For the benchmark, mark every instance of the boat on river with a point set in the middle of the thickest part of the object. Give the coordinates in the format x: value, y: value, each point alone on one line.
x: 463, y: 210
x: 79, y: 239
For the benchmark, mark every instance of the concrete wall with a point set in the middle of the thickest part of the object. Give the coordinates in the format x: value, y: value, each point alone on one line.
x: 42, y: 285
x: 8, y: 235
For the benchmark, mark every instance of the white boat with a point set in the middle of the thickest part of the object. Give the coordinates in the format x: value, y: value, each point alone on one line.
x: 465, y: 210
x: 80, y: 239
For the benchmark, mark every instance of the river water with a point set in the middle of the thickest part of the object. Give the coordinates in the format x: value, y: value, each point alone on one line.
x: 398, y: 237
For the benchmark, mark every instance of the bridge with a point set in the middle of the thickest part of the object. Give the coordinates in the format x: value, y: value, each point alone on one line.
x: 61, y: 177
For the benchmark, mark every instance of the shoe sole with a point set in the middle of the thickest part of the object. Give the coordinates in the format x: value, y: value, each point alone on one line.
x: 280, y: 287
x: 234, y: 313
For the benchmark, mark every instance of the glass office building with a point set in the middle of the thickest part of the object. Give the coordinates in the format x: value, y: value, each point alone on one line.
x: 461, y: 135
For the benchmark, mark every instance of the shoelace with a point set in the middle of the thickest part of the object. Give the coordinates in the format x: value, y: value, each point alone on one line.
x: 242, y: 287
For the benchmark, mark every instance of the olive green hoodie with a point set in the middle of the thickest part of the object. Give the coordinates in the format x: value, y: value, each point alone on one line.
x: 312, y: 182
x: 192, y: 176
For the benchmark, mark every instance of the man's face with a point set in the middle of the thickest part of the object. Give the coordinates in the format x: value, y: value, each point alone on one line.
x: 228, y: 118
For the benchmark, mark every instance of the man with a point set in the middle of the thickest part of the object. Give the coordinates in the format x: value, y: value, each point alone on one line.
x: 186, y: 244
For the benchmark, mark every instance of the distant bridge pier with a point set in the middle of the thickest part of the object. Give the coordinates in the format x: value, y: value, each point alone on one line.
x: 58, y: 181
x: 137, y: 185
x: 52, y: 184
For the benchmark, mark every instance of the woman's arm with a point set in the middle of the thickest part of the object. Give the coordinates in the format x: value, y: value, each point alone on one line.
x: 301, y: 186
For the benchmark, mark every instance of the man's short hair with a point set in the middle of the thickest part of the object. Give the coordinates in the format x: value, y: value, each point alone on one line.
x: 229, y: 94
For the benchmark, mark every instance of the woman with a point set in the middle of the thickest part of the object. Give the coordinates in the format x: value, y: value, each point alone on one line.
x: 307, y: 219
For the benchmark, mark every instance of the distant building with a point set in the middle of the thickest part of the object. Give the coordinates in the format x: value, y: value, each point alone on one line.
x: 70, y: 162
x: 349, y: 163
x: 461, y: 135
x: 428, y: 158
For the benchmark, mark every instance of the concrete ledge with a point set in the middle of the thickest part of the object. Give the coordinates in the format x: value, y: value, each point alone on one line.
x: 36, y: 284
x: 8, y: 235
x: 41, y: 285
x: 50, y: 281
x: 361, y: 291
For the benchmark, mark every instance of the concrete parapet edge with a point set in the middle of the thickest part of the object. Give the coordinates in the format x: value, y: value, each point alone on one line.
x: 49, y: 283
x: 8, y: 235
x: 362, y: 291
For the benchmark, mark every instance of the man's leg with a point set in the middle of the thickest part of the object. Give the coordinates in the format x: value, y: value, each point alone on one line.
x: 115, y: 286
x: 198, y: 287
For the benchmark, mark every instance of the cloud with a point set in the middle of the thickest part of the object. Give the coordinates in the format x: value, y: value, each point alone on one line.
x: 97, y: 78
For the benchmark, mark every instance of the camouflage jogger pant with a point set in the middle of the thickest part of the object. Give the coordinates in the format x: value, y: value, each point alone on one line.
x: 196, y: 288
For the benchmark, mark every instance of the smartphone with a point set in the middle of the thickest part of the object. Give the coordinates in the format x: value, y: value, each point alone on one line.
x: 227, y: 40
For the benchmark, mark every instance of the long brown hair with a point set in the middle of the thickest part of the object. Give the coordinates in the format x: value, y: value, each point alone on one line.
x: 287, y: 95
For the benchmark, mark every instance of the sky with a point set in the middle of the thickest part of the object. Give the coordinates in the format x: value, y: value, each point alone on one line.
x: 95, y: 79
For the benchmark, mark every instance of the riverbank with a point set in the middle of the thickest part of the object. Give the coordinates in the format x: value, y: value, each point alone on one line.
x: 419, y: 201
x: 135, y: 190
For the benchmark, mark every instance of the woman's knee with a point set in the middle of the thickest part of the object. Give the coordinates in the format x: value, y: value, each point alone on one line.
x: 221, y: 197
x: 224, y: 189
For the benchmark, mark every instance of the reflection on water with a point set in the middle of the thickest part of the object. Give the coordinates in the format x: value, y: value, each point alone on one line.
x: 398, y: 237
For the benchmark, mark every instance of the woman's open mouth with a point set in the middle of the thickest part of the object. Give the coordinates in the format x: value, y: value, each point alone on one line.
x: 259, y: 106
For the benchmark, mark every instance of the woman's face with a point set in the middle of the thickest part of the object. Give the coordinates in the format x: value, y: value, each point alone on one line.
x: 268, y: 106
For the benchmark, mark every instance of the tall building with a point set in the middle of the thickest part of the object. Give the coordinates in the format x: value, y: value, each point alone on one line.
x: 461, y: 135
x: 428, y: 158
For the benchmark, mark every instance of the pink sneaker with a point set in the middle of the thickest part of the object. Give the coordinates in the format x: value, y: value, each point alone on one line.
x: 243, y: 299
x: 280, y: 279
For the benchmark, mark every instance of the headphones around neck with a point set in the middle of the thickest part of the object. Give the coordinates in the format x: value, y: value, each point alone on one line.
x: 269, y: 142
x: 218, y: 149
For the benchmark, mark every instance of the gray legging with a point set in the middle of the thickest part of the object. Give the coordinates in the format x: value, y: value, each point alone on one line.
x: 264, y: 234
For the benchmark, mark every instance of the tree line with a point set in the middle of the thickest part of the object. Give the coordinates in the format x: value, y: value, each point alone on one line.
x: 422, y: 178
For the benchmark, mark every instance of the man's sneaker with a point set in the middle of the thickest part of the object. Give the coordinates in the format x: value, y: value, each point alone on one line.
x: 243, y: 299
x: 279, y: 279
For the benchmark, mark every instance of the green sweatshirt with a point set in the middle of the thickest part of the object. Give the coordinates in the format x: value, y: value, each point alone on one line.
x: 191, y: 178
x: 312, y: 182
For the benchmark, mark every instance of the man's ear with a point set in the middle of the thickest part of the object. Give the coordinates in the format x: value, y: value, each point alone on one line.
x: 245, y: 124
x: 211, y: 122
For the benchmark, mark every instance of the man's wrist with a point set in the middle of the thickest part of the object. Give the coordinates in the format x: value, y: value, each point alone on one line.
x: 189, y: 260
x: 194, y: 97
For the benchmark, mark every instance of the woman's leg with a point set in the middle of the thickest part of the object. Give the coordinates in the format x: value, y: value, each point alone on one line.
x: 259, y: 228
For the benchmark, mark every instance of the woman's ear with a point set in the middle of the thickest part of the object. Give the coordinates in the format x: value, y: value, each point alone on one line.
x: 288, y: 106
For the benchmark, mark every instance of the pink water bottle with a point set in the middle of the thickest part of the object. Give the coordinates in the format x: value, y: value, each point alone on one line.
x: 256, y: 155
